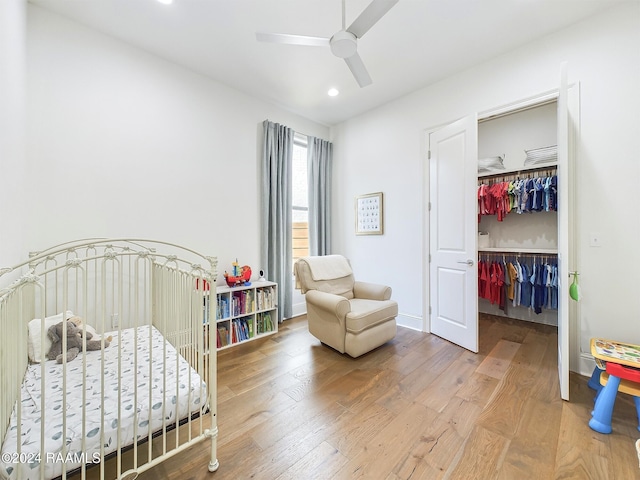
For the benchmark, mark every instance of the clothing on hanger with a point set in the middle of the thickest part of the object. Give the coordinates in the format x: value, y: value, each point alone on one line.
x: 531, y: 282
x: 500, y: 198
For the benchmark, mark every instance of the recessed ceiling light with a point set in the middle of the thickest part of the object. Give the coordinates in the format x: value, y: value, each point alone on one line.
x: 333, y: 92
x: 166, y: 2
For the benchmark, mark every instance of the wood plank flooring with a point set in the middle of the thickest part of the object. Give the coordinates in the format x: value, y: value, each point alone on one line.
x: 418, y: 407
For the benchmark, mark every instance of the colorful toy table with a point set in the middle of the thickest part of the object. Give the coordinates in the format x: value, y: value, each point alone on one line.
x: 617, y: 369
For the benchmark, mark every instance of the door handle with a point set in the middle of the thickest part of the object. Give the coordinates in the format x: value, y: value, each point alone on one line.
x: 468, y: 262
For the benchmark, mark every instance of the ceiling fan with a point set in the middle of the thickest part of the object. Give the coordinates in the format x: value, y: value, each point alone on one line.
x: 344, y: 43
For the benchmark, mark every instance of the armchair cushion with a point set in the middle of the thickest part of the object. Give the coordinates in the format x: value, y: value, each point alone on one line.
x: 368, y: 313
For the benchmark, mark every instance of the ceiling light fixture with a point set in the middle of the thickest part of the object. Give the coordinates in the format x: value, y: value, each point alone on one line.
x: 333, y: 92
x: 166, y: 2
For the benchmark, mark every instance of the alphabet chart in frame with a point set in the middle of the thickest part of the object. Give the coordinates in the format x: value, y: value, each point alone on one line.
x: 369, y: 214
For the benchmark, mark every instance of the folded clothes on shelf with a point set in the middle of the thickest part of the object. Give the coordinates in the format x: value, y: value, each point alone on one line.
x: 541, y: 155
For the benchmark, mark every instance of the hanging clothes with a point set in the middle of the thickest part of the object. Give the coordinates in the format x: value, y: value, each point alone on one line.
x: 499, y: 198
x: 531, y: 281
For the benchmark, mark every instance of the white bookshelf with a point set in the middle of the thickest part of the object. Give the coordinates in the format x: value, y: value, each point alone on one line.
x: 245, y: 313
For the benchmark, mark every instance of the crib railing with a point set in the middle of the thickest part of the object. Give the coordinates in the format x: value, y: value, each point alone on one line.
x: 124, y: 287
x: 16, y: 303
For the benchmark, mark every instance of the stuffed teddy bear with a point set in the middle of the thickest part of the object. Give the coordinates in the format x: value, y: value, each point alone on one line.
x: 74, y: 341
x: 91, y: 332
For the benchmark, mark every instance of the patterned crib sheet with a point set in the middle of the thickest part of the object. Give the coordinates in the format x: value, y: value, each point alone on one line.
x: 183, y: 393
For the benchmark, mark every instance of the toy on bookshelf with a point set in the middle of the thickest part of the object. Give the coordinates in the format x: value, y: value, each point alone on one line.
x: 239, y: 275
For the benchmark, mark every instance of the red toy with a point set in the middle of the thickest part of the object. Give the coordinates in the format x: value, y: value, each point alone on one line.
x: 243, y: 278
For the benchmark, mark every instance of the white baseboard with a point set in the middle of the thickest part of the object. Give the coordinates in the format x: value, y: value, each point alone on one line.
x: 409, y: 321
x: 586, y: 364
x: 298, y: 309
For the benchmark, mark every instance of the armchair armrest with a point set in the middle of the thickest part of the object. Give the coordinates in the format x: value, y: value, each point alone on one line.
x: 326, y: 315
x: 371, y: 291
x: 335, y: 305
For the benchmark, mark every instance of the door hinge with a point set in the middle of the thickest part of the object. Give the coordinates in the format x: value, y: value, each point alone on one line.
x: 429, y: 258
x: 429, y: 309
x: 428, y: 154
x: 429, y: 206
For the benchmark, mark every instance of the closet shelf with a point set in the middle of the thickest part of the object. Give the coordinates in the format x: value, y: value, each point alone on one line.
x: 548, y: 251
x: 520, y: 171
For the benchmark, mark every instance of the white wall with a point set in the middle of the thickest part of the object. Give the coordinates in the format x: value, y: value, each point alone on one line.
x: 12, y: 156
x: 123, y: 143
x: 384, y: 150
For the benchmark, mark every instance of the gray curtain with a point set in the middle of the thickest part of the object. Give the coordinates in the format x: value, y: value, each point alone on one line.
x: 319, y: 158
x: 276, y: 212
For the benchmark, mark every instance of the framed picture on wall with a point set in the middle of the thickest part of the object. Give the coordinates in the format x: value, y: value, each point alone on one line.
x: 369, y: 214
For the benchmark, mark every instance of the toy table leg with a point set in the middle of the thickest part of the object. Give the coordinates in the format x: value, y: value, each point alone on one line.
x: 637, y: 400
x: 603, y: 411
x: 594, y: 381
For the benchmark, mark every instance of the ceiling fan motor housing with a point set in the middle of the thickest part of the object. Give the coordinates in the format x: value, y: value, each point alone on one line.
x: 343, y: 44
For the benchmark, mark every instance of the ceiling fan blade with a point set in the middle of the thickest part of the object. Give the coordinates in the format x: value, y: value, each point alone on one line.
x: 370, y: 15
x: 355, y: 64
x: 292, y: 39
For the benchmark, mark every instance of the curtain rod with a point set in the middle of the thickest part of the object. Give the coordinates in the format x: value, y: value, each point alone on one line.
x: 295, y: 132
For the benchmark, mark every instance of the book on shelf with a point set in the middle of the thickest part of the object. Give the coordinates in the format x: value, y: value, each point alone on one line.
x: 250, y: 328
x: 222, y: 307
x: 264, y: 298
x: 264, y: 323
x: 242, y: 329
x: 243, y: 302
x: 235, y: 305
x: 249, y: 301
x: 223, y: 336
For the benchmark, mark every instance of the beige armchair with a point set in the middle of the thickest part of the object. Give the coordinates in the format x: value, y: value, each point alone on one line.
x: 349, y: 316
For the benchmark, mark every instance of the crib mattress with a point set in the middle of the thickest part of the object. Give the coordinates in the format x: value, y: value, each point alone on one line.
x: 181, y: 394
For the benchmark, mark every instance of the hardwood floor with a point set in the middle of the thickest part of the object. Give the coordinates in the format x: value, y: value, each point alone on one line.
x: 418, y: 407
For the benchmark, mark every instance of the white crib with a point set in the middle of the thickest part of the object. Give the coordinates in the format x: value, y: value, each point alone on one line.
x: 147, y: 396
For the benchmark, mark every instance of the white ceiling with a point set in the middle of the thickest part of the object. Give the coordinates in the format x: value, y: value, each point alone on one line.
x: 416, y: 44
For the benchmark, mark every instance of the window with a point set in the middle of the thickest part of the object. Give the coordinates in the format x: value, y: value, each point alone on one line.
x: 300, y: 199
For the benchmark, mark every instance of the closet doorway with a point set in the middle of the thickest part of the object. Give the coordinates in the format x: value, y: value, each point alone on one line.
x: 453, y: 225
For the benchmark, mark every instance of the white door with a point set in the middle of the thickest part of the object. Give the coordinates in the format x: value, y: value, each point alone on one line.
x: 565, y: 237
x: 453, y: 232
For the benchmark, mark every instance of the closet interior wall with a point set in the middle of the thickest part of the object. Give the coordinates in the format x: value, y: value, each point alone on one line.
x: 528, y: 235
